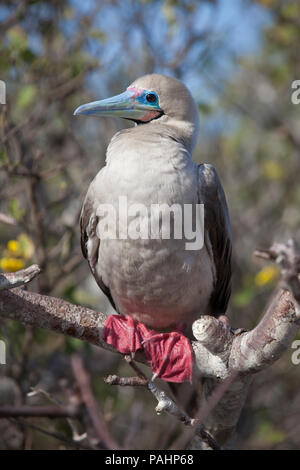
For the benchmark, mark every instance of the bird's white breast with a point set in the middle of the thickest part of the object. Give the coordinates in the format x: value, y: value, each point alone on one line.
x: 157, y: 281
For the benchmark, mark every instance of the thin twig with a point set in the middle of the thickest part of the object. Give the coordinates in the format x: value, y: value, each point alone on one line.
x: 77, y: 436
x: 39, y: 411
x: 203, y: 414
x: 88, y: 398
x: 124, y: 381
x: 55, y: 435
x: 287, y: 256
x: 165, y: 403
x: 7, y: 219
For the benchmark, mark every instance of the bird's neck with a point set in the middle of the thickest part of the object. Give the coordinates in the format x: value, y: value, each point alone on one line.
x: 153, y: 144
x: 182, y: 132
x: 185, y: 132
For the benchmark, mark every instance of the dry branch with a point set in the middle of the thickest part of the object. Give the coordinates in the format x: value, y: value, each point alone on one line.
x: 11, y: 280
x: 7, y: 219
x: 88, y: 398
x: 165, y: 403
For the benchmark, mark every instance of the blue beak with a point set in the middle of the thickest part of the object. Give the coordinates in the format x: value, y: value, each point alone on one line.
x: 124, y: 105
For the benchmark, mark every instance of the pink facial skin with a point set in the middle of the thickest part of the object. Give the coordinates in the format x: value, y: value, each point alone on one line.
x: 150, y: 115
x: 137, y: 91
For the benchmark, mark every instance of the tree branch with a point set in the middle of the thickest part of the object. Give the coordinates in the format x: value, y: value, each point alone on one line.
x: 7, y: 219
x: 53, y: 314
x: 19, y: 278
x: 96, y: 417
x: 165, y: 403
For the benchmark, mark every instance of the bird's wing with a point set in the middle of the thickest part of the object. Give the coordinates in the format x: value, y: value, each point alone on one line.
x: 218, y: 228
x: 90, y: 242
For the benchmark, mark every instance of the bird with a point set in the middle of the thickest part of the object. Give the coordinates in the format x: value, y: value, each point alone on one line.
x: 157, y: 286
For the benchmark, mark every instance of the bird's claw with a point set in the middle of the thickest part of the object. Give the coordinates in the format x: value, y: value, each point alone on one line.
x: 169, y: 354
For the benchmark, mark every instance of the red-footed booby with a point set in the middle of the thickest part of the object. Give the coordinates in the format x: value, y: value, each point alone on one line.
x: 157, y: 285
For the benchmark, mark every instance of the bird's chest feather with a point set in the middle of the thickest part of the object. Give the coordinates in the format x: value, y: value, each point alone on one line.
x: 164, y: 175
x: 155, y: 280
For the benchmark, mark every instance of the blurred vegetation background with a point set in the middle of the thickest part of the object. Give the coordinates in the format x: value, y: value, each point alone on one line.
x: 239, y: 58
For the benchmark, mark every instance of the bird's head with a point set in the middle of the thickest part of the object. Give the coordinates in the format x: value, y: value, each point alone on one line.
x: 152, y: 99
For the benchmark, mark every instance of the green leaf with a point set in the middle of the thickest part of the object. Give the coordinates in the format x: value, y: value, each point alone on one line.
x: 15, y: 209
x: 291, y: 11
x: 26, y: 246
x: 3, y: 157
x: 17, y: 38
x: 270, y: 433
x: 28, y: 56
x: 98, y: 34
x: 243, y: 297
x: 73, y: 345
x: 26, y: 97
x: 204, y: 108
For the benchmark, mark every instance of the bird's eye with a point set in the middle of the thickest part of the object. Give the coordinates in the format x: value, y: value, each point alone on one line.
x: 151, y: 97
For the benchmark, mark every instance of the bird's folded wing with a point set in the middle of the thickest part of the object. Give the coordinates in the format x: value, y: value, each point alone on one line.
x: 217, y: 226
x: 90, y: 242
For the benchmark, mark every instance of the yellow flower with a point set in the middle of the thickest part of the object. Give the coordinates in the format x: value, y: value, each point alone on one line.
x: 273, y: 170
x: 13, y: 246
x: 267, y: 275
x: 11, y: 264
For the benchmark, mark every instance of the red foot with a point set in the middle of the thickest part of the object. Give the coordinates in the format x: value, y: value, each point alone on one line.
x: 169, y: 354
x: 123, y: 334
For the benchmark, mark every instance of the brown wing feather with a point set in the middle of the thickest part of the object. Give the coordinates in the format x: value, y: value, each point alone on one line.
x: 217, y: 225
x: 88, y: 225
